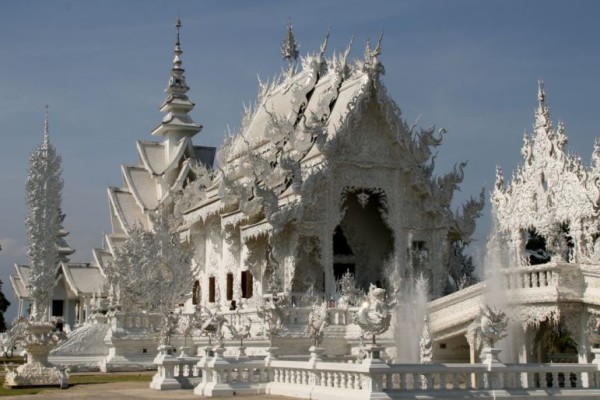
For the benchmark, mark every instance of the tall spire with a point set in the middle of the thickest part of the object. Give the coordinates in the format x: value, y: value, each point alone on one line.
x: 46, y: 137
x: 177, y: 123
x: 177, y: 84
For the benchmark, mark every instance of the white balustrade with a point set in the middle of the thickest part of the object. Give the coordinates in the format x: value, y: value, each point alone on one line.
x: 284, y: 377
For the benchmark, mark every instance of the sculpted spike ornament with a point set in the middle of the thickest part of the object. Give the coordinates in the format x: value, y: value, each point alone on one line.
x: 363, y: 199
x: 289, y: 49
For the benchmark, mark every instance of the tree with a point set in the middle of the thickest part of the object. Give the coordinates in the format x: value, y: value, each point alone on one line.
x: 151, y: 271
x: 43, y: 198
x: 4, y: 303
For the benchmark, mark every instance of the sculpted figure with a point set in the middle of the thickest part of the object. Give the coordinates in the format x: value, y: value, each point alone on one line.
x: 317, y: 321
x: 374, y: 316
x: 212, y: 326
x: 493, y: 323
x: 593, y: 329
x: 272, y: 315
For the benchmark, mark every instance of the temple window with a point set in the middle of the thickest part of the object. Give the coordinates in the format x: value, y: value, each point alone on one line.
x: 211, y: 289
x: 229, y: 286
x: 196, y: 292
x: 246, y: 283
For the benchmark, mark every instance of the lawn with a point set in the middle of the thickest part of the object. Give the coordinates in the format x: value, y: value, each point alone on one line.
x: 83, y: 379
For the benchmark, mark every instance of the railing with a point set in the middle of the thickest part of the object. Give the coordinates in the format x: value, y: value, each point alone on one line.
x: 133, y: 321
x: 538, y: 276
x: 323, y: 380
x: 480, y: 376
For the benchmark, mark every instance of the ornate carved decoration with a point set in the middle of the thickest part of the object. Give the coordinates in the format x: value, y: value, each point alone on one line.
x: 551, y: 191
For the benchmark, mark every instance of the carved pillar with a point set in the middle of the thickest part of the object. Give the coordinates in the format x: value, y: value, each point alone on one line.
x: 290, y: 261
x: 437, y: 262
x: 584, y: 347
x: 579, y: 241
x: 518, y: 243
x: 473, y: 341
x: 326, y: 240
x: 575, y: 319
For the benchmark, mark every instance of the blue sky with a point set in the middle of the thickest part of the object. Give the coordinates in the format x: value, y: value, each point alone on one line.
x: 469, y: 66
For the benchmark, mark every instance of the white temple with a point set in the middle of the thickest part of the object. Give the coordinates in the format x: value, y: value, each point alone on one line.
x: 325, y: 179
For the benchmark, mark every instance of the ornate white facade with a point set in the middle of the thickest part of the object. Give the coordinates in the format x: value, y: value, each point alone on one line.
x: 324, y: 177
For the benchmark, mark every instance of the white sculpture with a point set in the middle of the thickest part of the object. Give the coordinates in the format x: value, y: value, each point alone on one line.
x: 43, y: 196
x: 374, y: 315
x: 43, y: 222
x: 492, y: 324
x: 426, y: 344
x: 212, y: 326
x: 593, y: 328
x: 272, y: 314
x: 317, y: 322
x: 350, y: 293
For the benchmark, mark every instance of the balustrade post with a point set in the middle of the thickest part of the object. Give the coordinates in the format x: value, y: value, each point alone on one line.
x: 495, y: 378
x: 165, y: 360
x: 216, y: 372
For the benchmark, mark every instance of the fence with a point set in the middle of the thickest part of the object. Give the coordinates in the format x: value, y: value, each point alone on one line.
x: 317, y: 379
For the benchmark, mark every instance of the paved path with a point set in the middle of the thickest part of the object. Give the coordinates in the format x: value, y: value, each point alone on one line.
x: 124, y: 391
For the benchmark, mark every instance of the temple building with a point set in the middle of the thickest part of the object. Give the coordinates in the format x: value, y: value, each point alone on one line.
x: 324, y: 177
x: 325, y: 183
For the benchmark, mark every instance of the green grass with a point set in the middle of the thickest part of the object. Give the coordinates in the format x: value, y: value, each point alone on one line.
x: 12, y: 360
x: 80, y: 380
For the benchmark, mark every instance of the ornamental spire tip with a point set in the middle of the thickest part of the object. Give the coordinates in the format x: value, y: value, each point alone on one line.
x: 177, y: 27
x: 46, y: 137
x: 541, y: 92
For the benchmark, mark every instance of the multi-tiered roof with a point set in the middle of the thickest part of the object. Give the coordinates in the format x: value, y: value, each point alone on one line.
x: 163, y: 167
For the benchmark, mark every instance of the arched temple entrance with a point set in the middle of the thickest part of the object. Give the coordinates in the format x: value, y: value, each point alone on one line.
x: 362, y: 241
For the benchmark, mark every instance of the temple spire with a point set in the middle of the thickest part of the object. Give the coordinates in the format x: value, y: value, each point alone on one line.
x: 177, y: 123
x: 46, y: 137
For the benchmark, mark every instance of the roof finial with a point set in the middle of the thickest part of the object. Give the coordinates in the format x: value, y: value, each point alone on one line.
x: 324, y: 45
x: 377, y: 50
x: 177, y: 80
x: 177, y: 26
x: 289, y: 48
x: 46, y: 137
x: 541, y: 92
